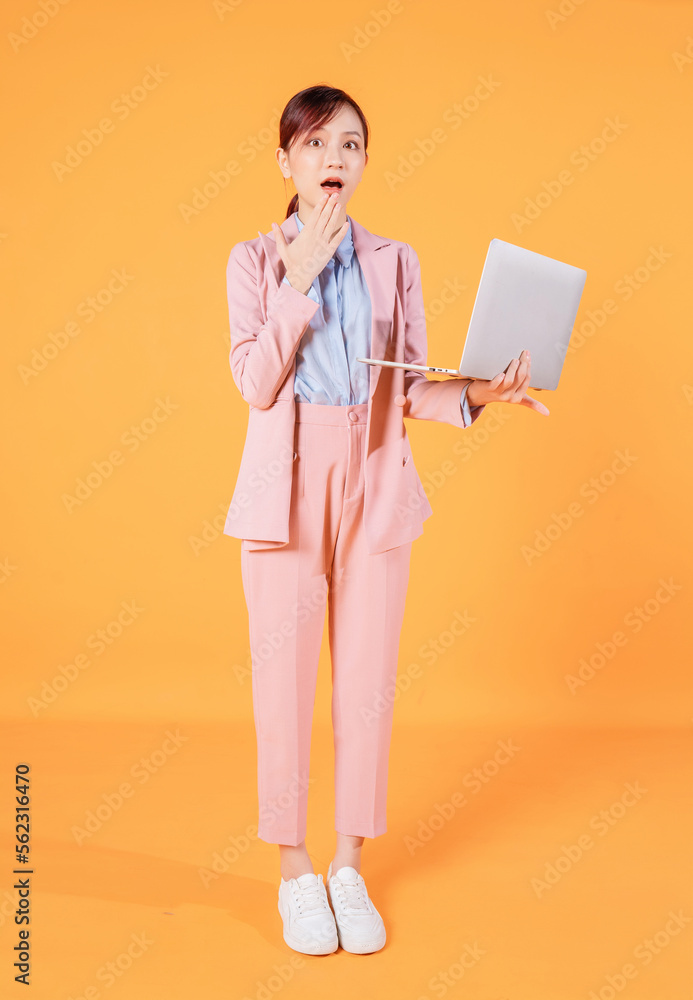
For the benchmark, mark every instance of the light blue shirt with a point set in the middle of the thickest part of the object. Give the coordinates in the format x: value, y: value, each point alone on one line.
x: 340, y: 331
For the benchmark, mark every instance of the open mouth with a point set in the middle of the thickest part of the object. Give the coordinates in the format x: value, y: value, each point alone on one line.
x: 331, y: 185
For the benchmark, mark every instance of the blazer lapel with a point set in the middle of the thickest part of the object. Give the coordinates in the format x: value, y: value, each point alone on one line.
x: 378, y: 261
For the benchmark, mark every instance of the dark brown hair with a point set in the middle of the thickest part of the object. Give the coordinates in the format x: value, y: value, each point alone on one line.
x: 310, y: 109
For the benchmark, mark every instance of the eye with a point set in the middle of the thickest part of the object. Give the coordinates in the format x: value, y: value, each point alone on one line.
x: 349, y: 142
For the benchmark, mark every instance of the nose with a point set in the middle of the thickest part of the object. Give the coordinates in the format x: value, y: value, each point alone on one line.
x: 334, y: 157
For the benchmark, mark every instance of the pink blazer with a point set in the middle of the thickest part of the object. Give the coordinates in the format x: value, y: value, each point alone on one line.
x: 267, y: 320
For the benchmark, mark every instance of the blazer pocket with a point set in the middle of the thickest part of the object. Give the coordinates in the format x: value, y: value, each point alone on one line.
x: 299, y: 467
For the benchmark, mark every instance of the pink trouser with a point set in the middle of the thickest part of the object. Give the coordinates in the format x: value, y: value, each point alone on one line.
x: 286, y: 591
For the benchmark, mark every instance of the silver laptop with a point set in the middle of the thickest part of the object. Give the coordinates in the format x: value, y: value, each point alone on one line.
x: 524, y: 300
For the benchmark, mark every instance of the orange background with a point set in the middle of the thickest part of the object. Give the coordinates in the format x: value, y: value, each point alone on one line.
x: 149, y: 535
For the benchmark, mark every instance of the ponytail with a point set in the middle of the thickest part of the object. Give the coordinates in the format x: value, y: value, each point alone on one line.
x: 293, y: 205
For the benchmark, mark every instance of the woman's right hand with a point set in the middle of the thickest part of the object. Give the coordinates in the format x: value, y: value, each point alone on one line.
x: 508, y: 386
x: 306, y: 255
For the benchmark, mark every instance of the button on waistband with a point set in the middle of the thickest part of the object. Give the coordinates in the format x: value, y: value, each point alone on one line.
x: 318, y: 413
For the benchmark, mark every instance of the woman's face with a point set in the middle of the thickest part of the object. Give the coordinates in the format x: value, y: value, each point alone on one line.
x: 334, y: 150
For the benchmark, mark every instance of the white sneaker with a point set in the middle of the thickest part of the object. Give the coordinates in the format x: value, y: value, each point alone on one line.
x: 359, y: 925
x: 309, y: 924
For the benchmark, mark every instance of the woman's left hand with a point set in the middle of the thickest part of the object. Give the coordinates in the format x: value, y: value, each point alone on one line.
x: 507, y: 387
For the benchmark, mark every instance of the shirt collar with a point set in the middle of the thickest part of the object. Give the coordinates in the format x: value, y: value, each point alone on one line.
x: 345, y: 249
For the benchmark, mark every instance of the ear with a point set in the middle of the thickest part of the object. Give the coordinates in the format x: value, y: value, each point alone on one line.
x: 283, y: 162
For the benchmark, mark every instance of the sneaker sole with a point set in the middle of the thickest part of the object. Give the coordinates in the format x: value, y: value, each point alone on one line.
x: 361, y: 948
x: 305, y: 947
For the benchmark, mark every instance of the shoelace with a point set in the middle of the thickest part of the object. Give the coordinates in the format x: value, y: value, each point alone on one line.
x: 353, y: 894
x: 309, y: 897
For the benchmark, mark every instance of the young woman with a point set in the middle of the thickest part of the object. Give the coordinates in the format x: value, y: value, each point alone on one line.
x: 328, y: 500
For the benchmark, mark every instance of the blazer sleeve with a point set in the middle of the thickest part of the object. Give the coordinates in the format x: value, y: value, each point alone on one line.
x: 427, y: 399
x: 262, y: 352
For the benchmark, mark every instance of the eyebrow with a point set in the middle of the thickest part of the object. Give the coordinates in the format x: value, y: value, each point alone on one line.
x: 322, y: 129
